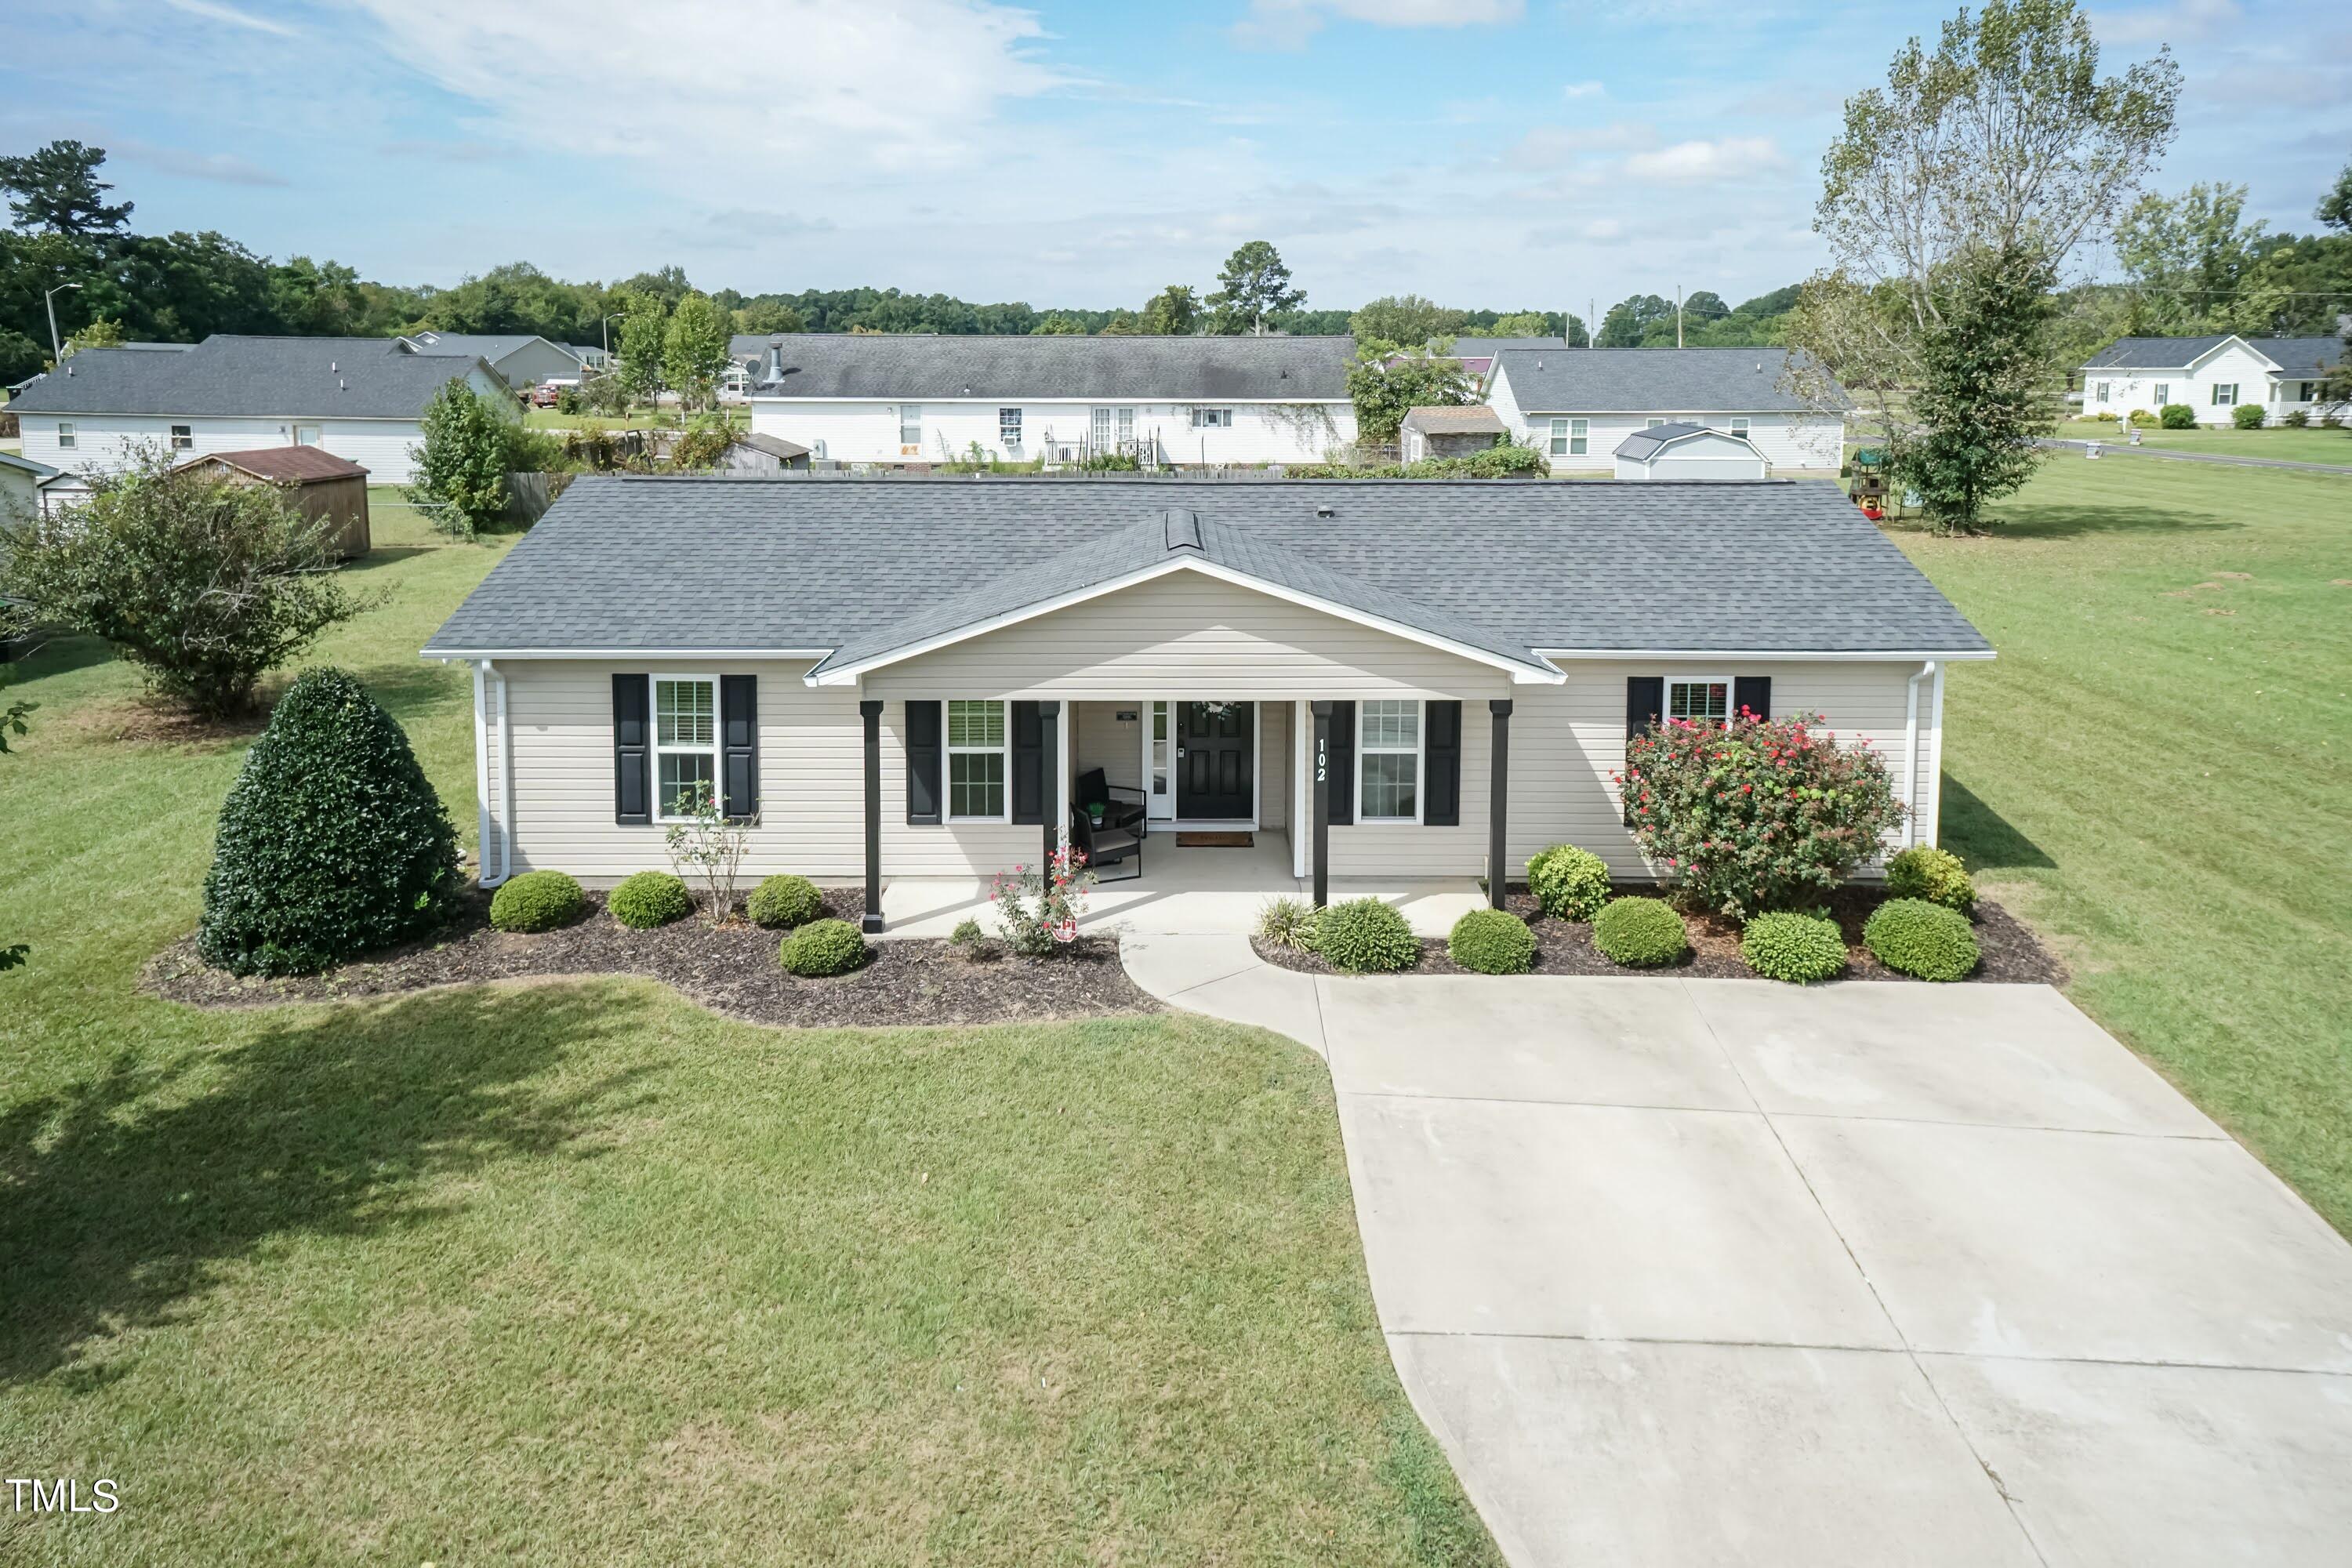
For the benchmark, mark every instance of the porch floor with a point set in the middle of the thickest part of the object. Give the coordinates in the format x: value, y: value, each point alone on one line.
x: 1183, y: 891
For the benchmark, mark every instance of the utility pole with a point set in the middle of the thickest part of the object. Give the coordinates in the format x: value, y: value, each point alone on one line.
x: 1678, y: 315
x: 1592, y: 323
x: 57, y: 348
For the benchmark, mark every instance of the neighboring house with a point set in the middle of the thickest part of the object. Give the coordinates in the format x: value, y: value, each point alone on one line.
x: 763, y: 457
x: 2211, y: 374
x: 360, y: 398
x: 20, y: 486
x: 1690, y: 452
x: 909, y: 680
x: 319, y: 484
x: 903, y: 400
x: 521, y: 360
x: 1448, y: 431
x: 1478, y: 354
x: 590, y: 356
x: 1578, y: 406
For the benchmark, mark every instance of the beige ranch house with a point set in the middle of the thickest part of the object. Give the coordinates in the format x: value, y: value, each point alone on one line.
x: 1390, y: 680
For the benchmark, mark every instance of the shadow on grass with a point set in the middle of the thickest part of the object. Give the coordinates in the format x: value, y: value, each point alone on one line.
x: 2055, y: 520
x: 122, y: 1196
x: 1982, y: 836
x: 391, y: 555
x: 61, y: 651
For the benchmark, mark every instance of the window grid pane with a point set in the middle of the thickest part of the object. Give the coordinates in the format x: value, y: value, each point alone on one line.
x: 1392, y: 726
x: 684, y: 775
x: 1390, y: 778
x: 976, y: 724
x: 687, y: 711
x: 1702, y: 701
x: 976, y: 784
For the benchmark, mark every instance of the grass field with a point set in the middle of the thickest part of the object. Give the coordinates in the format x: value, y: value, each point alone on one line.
x: 2156, y: 769
x: 582, y: 1273
x: 2308, y: 445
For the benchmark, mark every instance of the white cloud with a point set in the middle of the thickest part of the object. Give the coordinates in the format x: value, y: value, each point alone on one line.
x: 1585, y: 89
x: 221, y: 168
x: 213, y: 11
x: 1696, y: 162
x: 718, y: 93
x: 2182, y: 21
x: 1288, y: 23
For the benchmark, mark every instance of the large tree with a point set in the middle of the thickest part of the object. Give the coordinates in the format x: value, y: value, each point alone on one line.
x: 1405, y: 319
x: 694, y: 351
x: 1630, y: 318
x: 1173, y: 313
x: 1985, y: 396
x: 2335, y: 209
x: 1253, y: 288
x: 57, y: 188
x: 2192, y: 261
x: 645, y: 326
x: 2003, y: 146
x: 1390, y: 380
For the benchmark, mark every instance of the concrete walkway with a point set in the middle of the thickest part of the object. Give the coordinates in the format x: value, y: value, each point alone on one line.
x: 1700, y: 1272
x: 2113, y: 448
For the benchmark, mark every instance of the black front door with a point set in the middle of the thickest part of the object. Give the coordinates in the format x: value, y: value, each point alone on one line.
x: 1213, y: 742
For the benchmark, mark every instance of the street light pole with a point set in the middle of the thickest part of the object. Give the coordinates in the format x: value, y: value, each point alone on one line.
x: 57, y: 348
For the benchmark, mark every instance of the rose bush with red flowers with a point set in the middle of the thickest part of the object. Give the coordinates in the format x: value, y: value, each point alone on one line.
x: 1770, y: 814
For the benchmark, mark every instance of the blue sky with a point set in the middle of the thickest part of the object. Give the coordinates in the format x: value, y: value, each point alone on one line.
x: 1507, y: 153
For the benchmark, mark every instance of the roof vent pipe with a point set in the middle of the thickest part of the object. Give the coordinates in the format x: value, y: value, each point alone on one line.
x: 775, y: 359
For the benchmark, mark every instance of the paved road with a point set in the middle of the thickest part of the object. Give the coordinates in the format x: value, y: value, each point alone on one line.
x: 1706, y: 1272
x: 2124, y: 448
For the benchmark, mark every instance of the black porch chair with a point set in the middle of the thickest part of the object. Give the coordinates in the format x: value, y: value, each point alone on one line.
x: 1093, y: 789
x: 1106, y: 845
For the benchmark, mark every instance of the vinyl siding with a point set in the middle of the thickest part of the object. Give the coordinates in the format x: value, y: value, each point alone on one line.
x: 2130, y: 390
x: 1792, y: 443
x: 867, y: 430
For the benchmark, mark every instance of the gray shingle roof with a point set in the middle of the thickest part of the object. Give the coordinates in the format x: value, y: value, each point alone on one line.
x: 491, y: 346
x: 2294, y: 356
x: 1178, y: 369
x: 1485, y: 348
x: 625, y: 563
x: 1556, y: 380
x: 1657, y: 437
x: 347, y: 378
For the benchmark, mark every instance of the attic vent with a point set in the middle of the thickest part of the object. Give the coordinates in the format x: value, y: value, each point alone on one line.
x: 333, y: 367
x: 1183, y: 528
x: 341, y: 385
x: 1540, y: 364
x: 1325, y: 508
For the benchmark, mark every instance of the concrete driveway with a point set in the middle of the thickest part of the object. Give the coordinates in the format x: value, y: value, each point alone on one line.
x: 1709, y: 1272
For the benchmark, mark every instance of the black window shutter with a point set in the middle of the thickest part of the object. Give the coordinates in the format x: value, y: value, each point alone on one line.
x: 1441, y: 806
x: 1343, y: 762
x: 739, y: 745
x: 631, y: 786
x: 1645, y: 702
x: 1753, y: 692
x: 1028, y: 765
x: 923, y: 763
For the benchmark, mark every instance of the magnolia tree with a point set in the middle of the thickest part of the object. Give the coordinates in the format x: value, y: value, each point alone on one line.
x: 1981, y: 168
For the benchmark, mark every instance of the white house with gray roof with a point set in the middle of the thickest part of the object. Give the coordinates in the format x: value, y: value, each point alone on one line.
x: 522, y: 358
x: 2211, y: 374
x: 1402, y: 680
x: 1577, y: 405
x: 360, y: 398
x: 909, y: 400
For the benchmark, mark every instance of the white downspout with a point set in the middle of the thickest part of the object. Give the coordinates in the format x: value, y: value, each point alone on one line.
x: 505, y: 778
x: 1935, y: 763
x: 1911, y: 753
x: 481, y: 778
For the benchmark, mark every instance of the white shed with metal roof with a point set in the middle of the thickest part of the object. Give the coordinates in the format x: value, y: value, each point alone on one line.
x: 1685, y: 451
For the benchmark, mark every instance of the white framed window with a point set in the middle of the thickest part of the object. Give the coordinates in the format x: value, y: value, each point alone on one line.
x: 1008, y: 429
x: 2225, y: 393
x: 184, y: 439
x: 2103, y: 392
x: 2163, y: 393
x: 911, y: 425
x: 1700, y: 699
x: 1388, y: 761
x: 686, y: 742
x: 306, y: 435
x: 1739, y: 424
x: 1569, y: 437
x: 979, y: 762
x: 1213, y: 419
x: 66, y: 434
x: 1127, y: 423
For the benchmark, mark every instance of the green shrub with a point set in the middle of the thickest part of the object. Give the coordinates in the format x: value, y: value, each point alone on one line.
x: 1492, y: 942
x: 966, y: 937
x: 1571, y: 884
x: 1287, y: 922
x: 822, y: 947
x: 332, y: 842
x: 2105, y: 416
x: 782, y: 901
x: 2249, y: 415
x: 650, y: 899
x: 2177, y: 416
x: 2140, y: 416
x: 1800, y: 949
x: 536, y: 900
x: 1769, y: 813
x: 1935, y: 875
x: 2295, y: 418
x: 2331, y: 420
x: 1365, y: 936
x: 1640, y: 933
x: 1922, y: 939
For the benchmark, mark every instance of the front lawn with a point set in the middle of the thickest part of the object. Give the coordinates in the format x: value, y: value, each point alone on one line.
x: 2309, y: 445
x: 579, y: 1272
x: 2155, y: 771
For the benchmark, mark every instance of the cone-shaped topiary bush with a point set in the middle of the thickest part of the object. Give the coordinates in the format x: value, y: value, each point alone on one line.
x: 331, y: 841
x: 1922, y: 939
x: 1571, y: 884
x: 822, y: 948
x: 1492, y: 942
x: 782, y: 901
x: 1640, y: 933
x: 650, y: 899
x: 1924, y: 871
x: 1800, y: 949
x: 1364, y: 935
x: 536, y: 900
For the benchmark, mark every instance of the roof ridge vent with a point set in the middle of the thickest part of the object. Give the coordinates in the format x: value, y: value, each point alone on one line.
x: 1183, y: 528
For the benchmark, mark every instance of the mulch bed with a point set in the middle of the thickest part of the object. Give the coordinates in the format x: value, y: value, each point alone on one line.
x: 731, y: 969
x: 2012, y: 954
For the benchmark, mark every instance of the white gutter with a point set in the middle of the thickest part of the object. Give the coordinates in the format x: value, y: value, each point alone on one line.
x: 1935, y: 773
x: 1911, y: 753
x: 481, y: 781
x: 506, y: 776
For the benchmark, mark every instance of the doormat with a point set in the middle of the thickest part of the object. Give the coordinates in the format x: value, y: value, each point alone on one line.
x: 1216, y: 840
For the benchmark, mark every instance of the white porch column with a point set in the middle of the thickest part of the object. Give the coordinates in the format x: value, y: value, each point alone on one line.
x: 1302, y: 786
